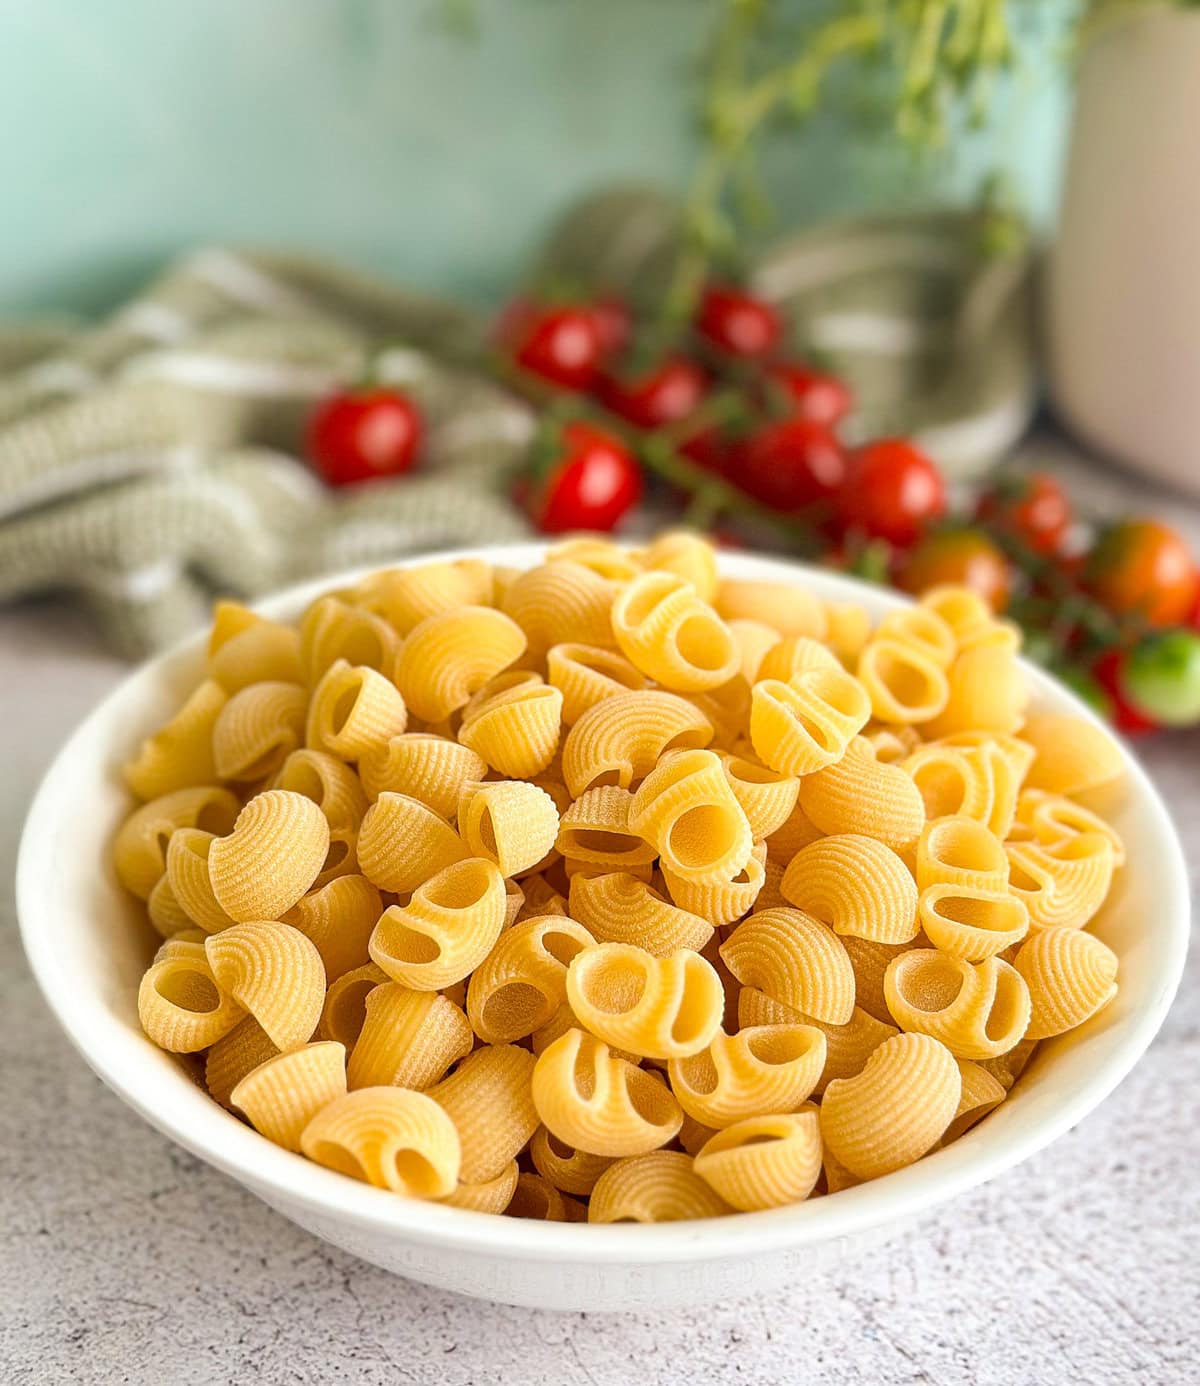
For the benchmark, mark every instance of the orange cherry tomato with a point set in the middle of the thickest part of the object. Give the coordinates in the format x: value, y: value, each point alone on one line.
x: 1143, y: 568
x: 964, y: 556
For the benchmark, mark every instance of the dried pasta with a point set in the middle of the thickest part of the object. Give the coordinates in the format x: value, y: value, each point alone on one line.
x: 561, y: 601
x: 516, y: 729
x: 244, y: 649
x: 807, y: 723
x: 1071, y: 755
x: 622, y: 738
x: 283, y: 1094
x: 332, y: 630
x: 761, y: 1070
x: 420, y: 766
x: 180, y: 753
x: 403, y: 843
x: 489, y: 1097
x: 616, y: 907
x: 977, y: 1010
x: 661, y: 1186
x: 140, y: 848
x: 857, y: 885
x: 1070, y: 976
x: 450, y: 656
x: 862, y: 794
x: 275, y: 973
x: 523, y: 980
x: 257, y: 728
x: 587, y: 674
x: 764, y: 1161
x: 795, y: 959
x: 664, y: 629
x: 409, y: 1039
x: 720, y: 902
x: 686, y: 808
x: 354, y: 710
x: 275, y: 852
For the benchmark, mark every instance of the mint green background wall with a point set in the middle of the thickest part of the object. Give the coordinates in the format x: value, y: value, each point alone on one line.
x: 361, y: 128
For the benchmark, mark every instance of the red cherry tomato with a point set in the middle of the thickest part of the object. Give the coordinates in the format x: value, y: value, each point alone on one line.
x: 362, y: 435
x: 963, y: 556
x: 892, y: 491
x: 561, y: 345
x: 1142, y: 567
x: 653, y: 398
x: 591, y: 486
x: 737, y: 322
x: 614, y: 325
x: 1035, y: 508
x: 707, y: 448
x: 789, y: 465
x: 1109, y: 673
x: 813, y: 395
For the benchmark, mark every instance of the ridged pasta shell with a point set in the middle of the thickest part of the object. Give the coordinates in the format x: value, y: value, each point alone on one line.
x: 234, y: 1055
x: 283, y: 1094
x: 1071, y: 976
x: 981, y: 1094
x: 664, y: 629
x: 987, y: 692
x: 855, y: 884
x: 806, y: 724
x: 407, y: 596
x: 586, y: 674
x: 180, y: 753
x: 795, y: 959
x: 721, y: 902
x: 339, y: 918
x: 489, y: 1196
x: 512, y: 823
x: 1063, y: 884
x: 523, y: 980
x: 764, y: 1161
x: 790, y: 610
x: 963, y: 852
x: 659, y: 1187
x: 972, y: 923
x: 847, y: 1047
x: 687, y: 554
x: 450, y: 656
x: 187, y: 872
x: 622, y: 738
x: 328, y: 782
x: 354, y: 710
x: 754, y: 639
x: 490, y: 1100
x: 1049, y: 818
x: 767, y: 798
x: 618, y: 908
x: 1071, y: 754
x: 273, y: 855
x: 182, y: 1006
x: 978, y: 1011
x: 561, y: 601
x: 244, y: 649
x: 905, y: 684
x: 333, y: 630
x: 402, y: 843
x: 421, y: 766
x: 760, y: 1070
x: 600, y: 555
x: 257, y: 729
x: 140, y: 847
x: 275, y: 973
x: 895, y: 1110
x: 686, y: 808
x: 345, y: 1010
x: 573, y: 1171
x: 408, y: 1039
x: 860, y: 794
x: 537, y: 1199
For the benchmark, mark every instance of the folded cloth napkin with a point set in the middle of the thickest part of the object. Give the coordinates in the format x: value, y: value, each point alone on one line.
x: 150, y: 462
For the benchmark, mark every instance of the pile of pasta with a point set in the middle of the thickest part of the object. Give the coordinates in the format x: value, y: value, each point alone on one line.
x: 616, y: 890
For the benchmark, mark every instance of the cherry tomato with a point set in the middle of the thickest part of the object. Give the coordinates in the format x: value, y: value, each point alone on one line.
x: 662, y: 395
x: 1142, y: 567
x: 1109, y: 673
x: 1162, y: 677
x: 892, y: 491
x: 707, y: 448
x: 737, y: 322
x: 592, y: 484
x: 814, y: 395
x: 789, y: 465
x: 560, y: 344
x: 365, y: 434
x: 614, y: 325
x: 964, y: 556
x: 1035, y: 508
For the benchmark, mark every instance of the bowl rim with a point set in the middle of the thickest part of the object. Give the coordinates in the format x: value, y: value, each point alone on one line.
x: 276, y: 1174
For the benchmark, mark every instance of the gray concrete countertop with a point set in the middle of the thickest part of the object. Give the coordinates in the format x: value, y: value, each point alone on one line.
x: 123, y: 1259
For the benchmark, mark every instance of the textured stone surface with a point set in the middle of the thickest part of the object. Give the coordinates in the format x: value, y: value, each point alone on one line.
x: 122, y: 1259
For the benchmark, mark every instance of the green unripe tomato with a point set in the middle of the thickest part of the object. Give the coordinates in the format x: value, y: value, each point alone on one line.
x: 1162, y: 677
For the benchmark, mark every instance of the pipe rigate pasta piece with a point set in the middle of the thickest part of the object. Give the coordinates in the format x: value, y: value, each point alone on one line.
x: 1070, y: 975
x: 510, y: 822
x: 686, y: 808
x: 1071, y: 754
x: 688, y: 555
x: 354, y: 710
x: 600, y: 1103
x: 861, y: 794
x: 905, y: 684
x: 986, y: 692
x: 807, y: 723
x: 586, y: 674
x: 790, y: 610
x: 921, y: 629
x: 140, y: 846
x: 389, y: 1137
x: 767, y: 797
x: 970, y: 922
x: 978, y: 1011
x: 664, y: 629
x: 516, y: 729
x: 187, y: 873
x: 616, y: 907
x: 518, y: 987
x: 764, y: 1161
x: 180, y: 753
x: 541, y: 898
x: 166, y: 913
x: 538, y: 1200
x: 895, y: 1110
x: 1049, y: 818
x: 1063, y: 884
x: 408, y: 1039
x: 595, y: 828
x: 847, y: 1047
x: 870, y: 961
x: 345, y: 1010
x: 561, y: 601
x: 282, y: 1095
x: 754, y: 640
x: 489, y: 1195
x: 446, y: 930
x: 405, y: 597
x: 978, y: 782
x: 257, y: 729
x: 234, y: 1055
x: 961, y: 609
x: 181, y: 1005
x: 761, y: 1070
x: 328, y: 782
x: 848, y: 629
x: 275, y: 973
x: 659, y: 1008
x: 1009, y: 1067
x: 795, y: 959
x: 721, y: 902
x: 421, y: 766
x: 339, y: 918
x: 490, y: 1100
x: 450, y: 656
x: 727, y: 708
x: 797, y: 654
x: 981, y: 1094
x: 797, y: 832
x: 573, y: 1171
x: 332, y: 630
x: 621, y: 739
x: 600, y: 555
x: 960, y: 851
x: 402, y: 843
x: 692, y: 1135
x: 244, y: 649
x: 276, y: 850
x: 662, y: 1186
x: 855, y: 884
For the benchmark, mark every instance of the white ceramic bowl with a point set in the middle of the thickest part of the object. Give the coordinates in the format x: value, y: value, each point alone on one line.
x: 88, y: 946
